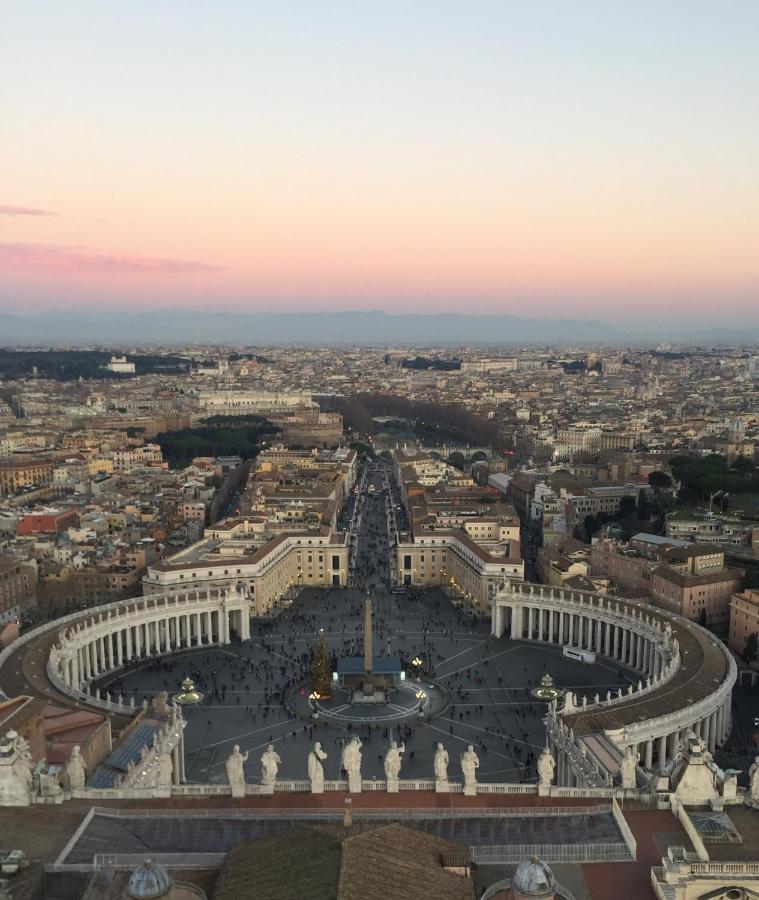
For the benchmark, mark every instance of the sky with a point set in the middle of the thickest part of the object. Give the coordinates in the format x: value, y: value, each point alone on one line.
x: 594, y: 159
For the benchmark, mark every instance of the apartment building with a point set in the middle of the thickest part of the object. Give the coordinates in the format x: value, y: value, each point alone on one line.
x: 688, y: 578
x: 47, y: 521
x: 722, y: 530
x: 744, y: 619
x: 601, y: 499
x: 18, y: 474
x: 127, y: 459
x: 18, y: 581
x: 704, y: 596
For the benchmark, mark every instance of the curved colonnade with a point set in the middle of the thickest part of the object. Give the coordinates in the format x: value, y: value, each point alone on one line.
x: 143, y: 628
x: 686, y: 682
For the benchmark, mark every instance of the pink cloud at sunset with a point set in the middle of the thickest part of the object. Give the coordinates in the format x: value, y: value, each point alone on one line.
x: 14, y: 211
x: 82, y: 260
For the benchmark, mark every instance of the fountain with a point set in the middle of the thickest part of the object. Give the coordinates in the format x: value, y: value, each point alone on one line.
x: 546, y: 690
x: 188, y: 696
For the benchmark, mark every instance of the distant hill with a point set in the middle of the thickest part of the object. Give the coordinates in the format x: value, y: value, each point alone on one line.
x: 351, y: 327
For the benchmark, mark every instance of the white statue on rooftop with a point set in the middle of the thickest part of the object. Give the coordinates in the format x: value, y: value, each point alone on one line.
x: 316, y: 768
x: 351, y: 762
x: 76, y: 770
x: 470, y: 762
x: 628, y: 767
x: 236, y: 772
x: 165, y: 768
x: 16, y: 777
x: 441, y: 768
x: 392, y: 765
x: 270, y: 762
x: 546, y: 768
x: 753, y: 780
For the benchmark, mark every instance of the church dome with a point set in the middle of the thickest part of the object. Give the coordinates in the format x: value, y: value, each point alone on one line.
x: 149, y: 880
x: 533, y: 878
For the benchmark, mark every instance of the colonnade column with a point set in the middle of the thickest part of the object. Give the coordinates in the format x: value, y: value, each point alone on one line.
x: 516, y: 622
x: 662, y: 751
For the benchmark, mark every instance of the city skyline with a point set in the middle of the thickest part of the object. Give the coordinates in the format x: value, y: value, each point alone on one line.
x: 583, y: 162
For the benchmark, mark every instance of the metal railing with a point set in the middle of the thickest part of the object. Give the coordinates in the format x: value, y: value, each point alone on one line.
x: 551, y: 853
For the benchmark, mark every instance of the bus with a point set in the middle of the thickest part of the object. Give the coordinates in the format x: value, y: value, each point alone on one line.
x: 583, y: 656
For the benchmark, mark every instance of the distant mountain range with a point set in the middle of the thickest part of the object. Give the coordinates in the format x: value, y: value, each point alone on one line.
x: 333, y: 328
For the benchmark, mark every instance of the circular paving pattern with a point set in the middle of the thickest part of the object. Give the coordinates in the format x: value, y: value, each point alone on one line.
x: 412, y: 701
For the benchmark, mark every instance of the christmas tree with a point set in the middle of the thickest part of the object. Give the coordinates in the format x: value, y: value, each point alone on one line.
x: 321, y: 674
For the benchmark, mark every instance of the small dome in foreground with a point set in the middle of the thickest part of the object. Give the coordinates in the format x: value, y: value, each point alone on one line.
x: 149, y: 880
x: 533, y: 878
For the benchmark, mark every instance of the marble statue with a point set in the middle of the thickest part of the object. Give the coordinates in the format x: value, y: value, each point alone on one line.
x: 546, y: 768
x: 270, y: 761
x: 235, y: 771
x: 316, y: 768
x: 165, y: 769
x: 393, y: 765
x: 351, y: 762
x: 16, y: 777
x: 50, y: 788
x: 753, y: 781
x: 76, y: 770
x: 628, y: 767
x: 441, y: 769
x: 470, y: 762
x: 730, y: 784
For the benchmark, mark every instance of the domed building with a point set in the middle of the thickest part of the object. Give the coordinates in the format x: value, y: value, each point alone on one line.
x: 151, y: 881
x: 532, y: 880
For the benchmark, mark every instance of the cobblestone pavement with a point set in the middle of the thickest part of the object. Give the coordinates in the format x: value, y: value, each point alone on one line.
x: 489, y: 679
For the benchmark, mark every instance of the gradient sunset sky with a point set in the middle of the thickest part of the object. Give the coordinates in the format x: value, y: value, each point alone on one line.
x: 586, y: 159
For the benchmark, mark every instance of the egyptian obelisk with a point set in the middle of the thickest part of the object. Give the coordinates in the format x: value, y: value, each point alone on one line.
x: 368, y: 643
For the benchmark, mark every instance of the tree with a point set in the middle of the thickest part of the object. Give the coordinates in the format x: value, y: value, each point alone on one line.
x: 659, y: 481
x: 361, y: 449
x: 687, y: 496
x: 627, y: 506
x: 750, y: 650
x: 321, y: 674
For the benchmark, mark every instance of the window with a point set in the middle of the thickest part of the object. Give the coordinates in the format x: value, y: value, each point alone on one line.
x: 407, y: 561
x: 335, y: 561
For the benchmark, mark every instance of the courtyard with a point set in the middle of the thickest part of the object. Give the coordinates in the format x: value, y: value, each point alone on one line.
x: 247, y: 688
